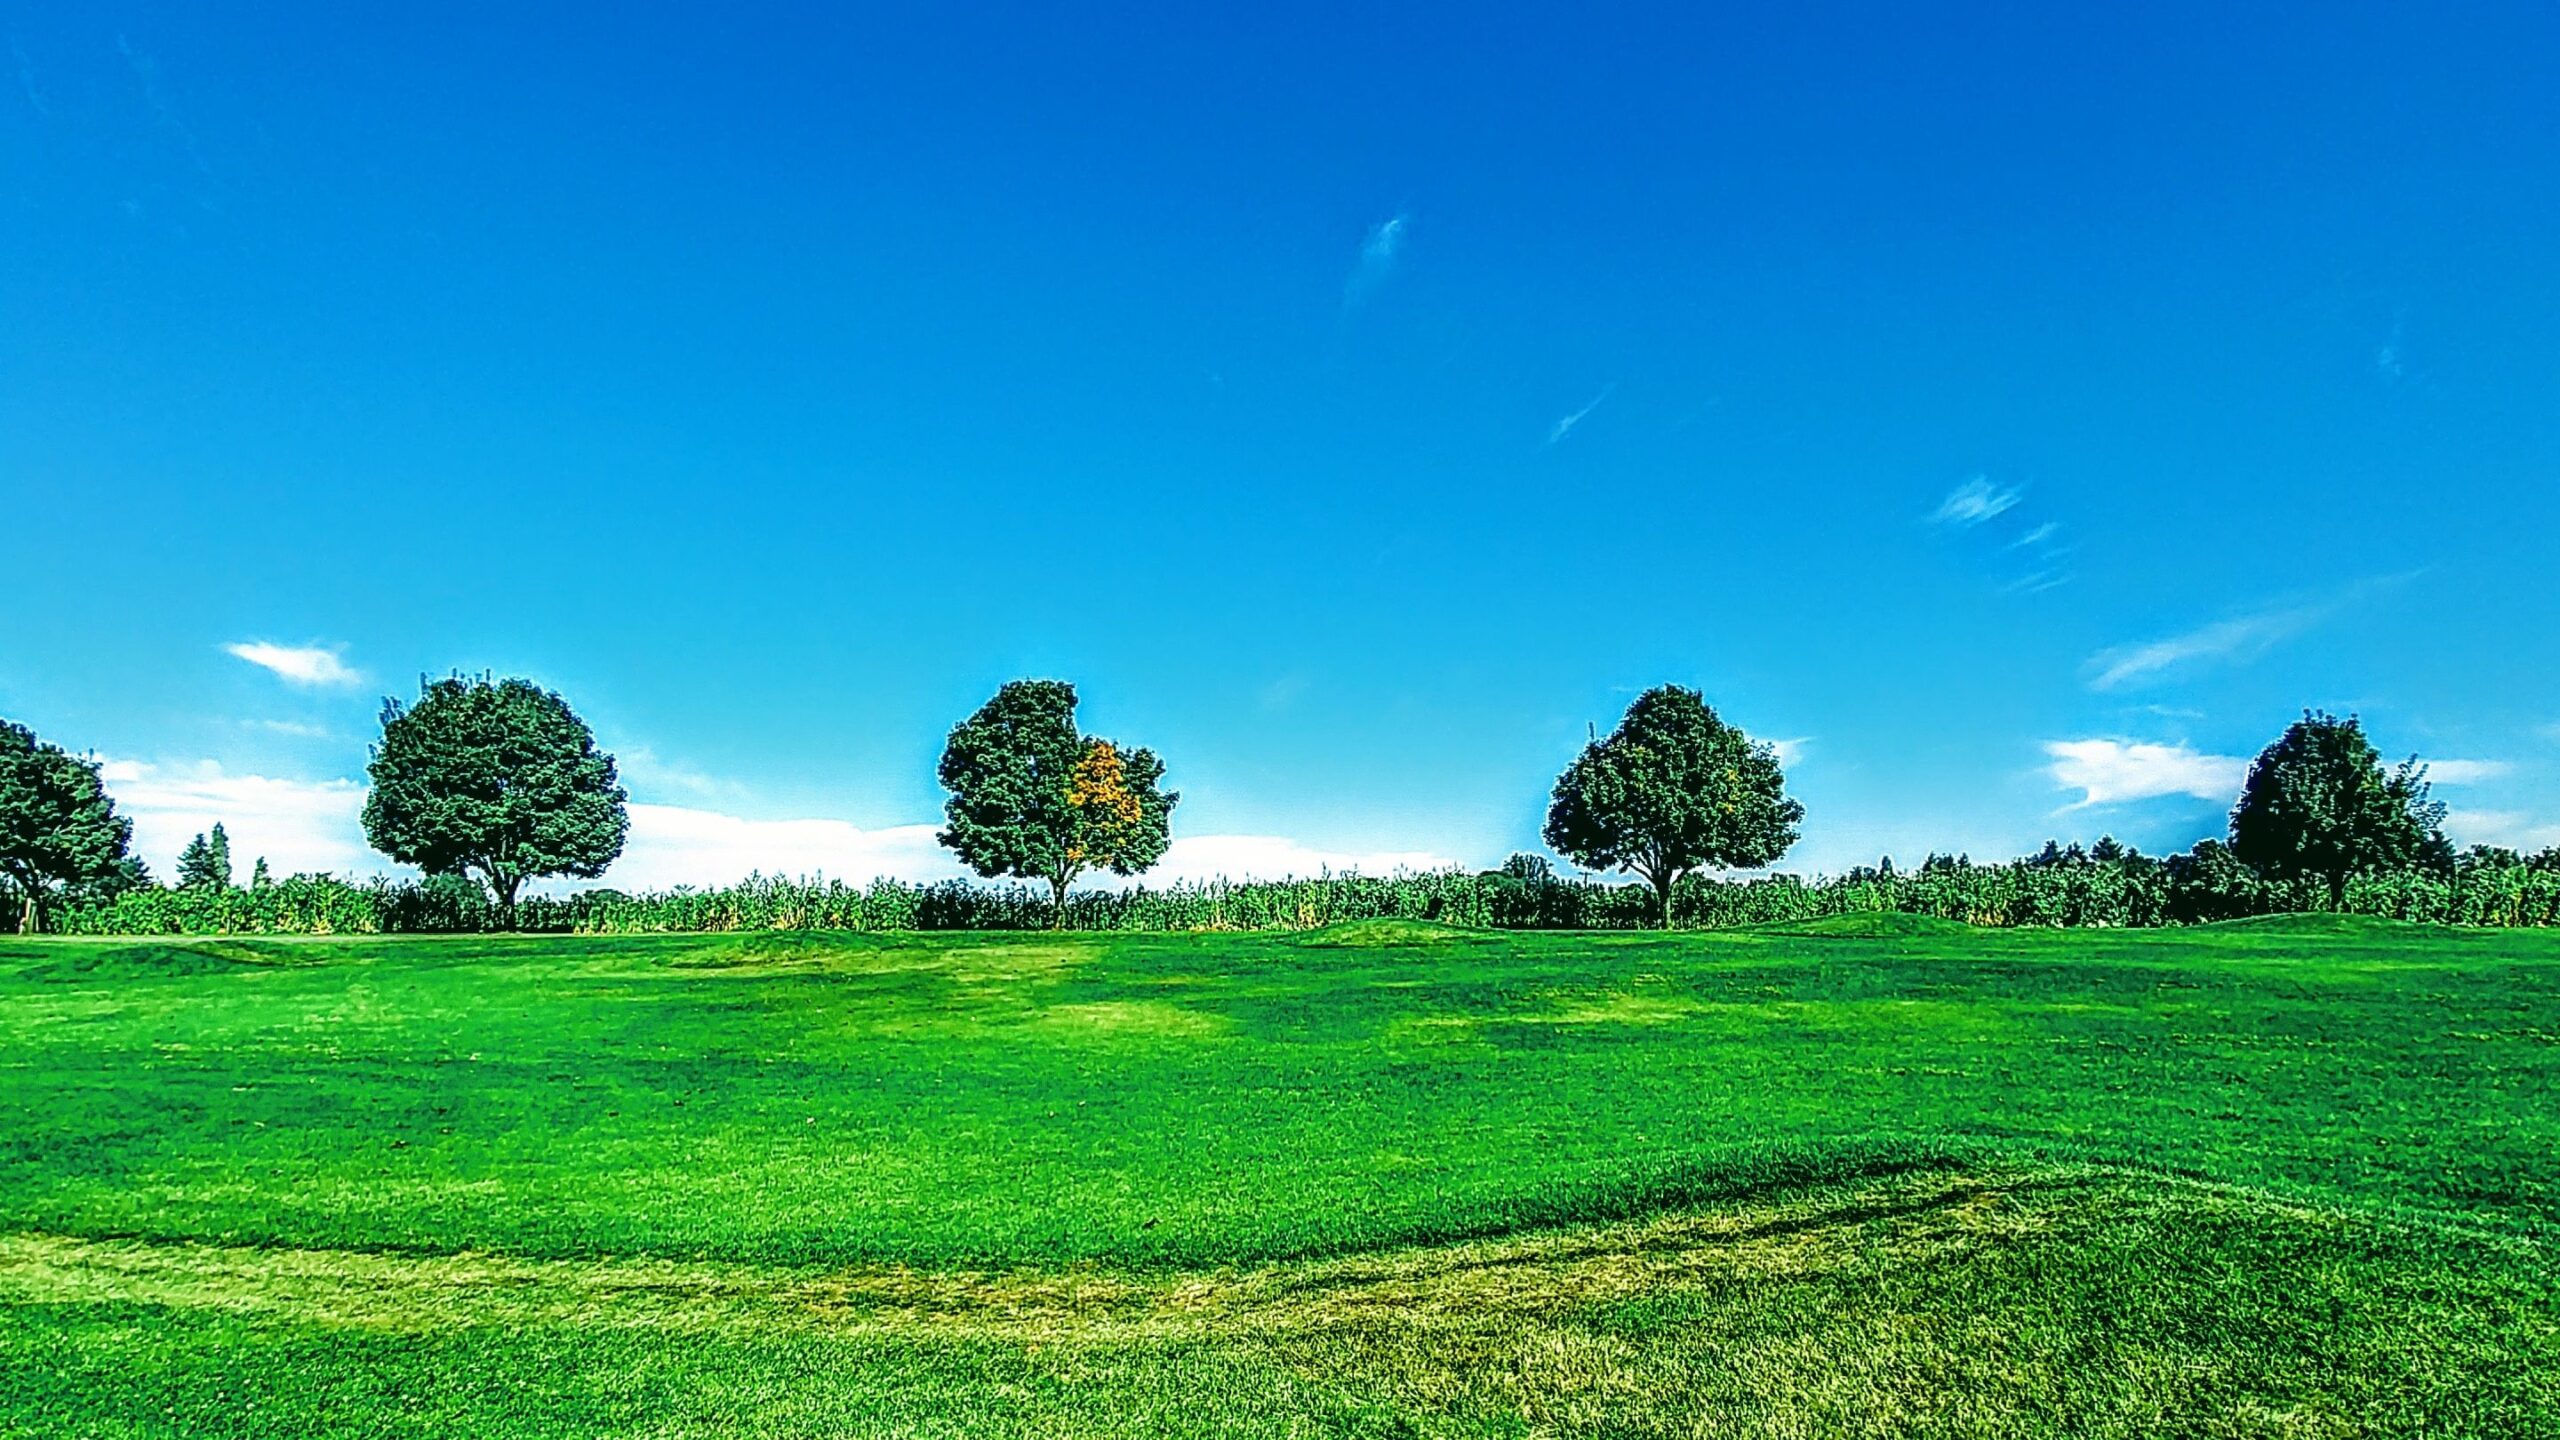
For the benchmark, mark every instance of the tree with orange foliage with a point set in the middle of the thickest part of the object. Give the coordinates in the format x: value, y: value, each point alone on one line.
x: 1033, y: 799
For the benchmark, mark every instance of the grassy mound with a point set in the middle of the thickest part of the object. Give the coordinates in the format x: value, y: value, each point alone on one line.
x: 103, y: 960
x: 1870, y: 925
x: 2311, y: 924
x: 1387, y: 934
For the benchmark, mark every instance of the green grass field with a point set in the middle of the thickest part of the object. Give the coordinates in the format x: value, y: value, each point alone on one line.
x: 1868, y: 1178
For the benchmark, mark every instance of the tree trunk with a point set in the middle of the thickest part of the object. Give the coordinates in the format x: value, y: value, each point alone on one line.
x: 1058, y: 901
x: 1662, y: 891
x: 27, y: 916
x: 506, y: 885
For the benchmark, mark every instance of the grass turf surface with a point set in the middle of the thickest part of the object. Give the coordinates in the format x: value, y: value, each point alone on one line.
x: 1872, y: 1177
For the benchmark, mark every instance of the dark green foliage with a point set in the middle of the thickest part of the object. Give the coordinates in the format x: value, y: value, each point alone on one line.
x: 205, y: 863
x: 2319, y: 806
x: 60, y: 836
x: 1671, y: 790
x: 1033, y: 799
x: 501, y: 778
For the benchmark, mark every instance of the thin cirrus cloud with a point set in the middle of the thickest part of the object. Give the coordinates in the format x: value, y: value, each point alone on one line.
x: 2239, y: 638
x: 2235, y: 639
x: 309, y: 665
x: 1975, y: 501
x: 1379, y: 253
x: 2116, y: 772
x: 1564, y: 427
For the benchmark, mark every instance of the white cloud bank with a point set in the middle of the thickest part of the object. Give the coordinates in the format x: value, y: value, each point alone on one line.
x: 2514, y: 829
x: 316, y: 825
x: 297, y: 665
x: 2112, y: 772
x: 298, y: 825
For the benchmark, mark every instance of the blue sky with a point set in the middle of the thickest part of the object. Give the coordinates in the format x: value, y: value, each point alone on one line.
x: 2021, y: 414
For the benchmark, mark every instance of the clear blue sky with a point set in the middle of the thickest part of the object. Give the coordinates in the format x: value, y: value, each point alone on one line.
x: 2012, y: 408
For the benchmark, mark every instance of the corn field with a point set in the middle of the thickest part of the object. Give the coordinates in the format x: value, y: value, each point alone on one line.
x: 2131, y: 890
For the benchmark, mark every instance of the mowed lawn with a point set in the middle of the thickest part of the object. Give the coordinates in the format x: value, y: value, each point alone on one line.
x: 1876, y: 1177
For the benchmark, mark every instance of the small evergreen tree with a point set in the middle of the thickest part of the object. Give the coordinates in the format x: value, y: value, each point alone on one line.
x: 205, y: 863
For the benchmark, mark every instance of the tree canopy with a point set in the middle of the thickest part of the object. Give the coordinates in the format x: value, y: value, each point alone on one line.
x: 60, y: 835
x: 2318, y: 805
x: 496, y: 777
x: 1671, y: 790
x: 1034, y: 799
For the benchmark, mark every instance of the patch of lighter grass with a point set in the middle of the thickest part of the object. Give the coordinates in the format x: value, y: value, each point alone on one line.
x: 1623, y: 1007
x: 1919, y: 1217
x: 1132, y: 1018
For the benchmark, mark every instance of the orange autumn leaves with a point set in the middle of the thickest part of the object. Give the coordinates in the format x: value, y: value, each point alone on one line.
x: 1108, y: 815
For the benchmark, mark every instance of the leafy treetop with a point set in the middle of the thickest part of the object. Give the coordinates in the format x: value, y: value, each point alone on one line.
x: 2318, y: 805
x: 1671, y: 790
x: 60, y: 835
x: 1033, y: 799
x: 498, y: 777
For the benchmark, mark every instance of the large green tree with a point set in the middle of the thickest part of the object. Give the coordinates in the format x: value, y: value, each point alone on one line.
x: 1673, y: 789
x: 498, y: 777
x: 60, y: 835
x: 2318, y: 805
x: 1034, y: 799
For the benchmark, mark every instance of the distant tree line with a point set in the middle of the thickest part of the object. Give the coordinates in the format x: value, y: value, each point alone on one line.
x: 489, y: 784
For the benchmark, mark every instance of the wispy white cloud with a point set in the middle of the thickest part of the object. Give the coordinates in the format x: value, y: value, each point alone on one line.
x: 2037, y: 536
x: 2242, y: 637
x: 1792, y: 750
x: 2113, y: 772
x: 298, y: 825
x: 146, y: 70
x: 1973, y: 502
x: 645, y: 771
x: 1379, y: 252
x: 2390, y: 359
x: 27, y: 81
x: 2466, y: 772
x: 1564, y: 427
x: 295, y: 728
x: 298, y: 664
